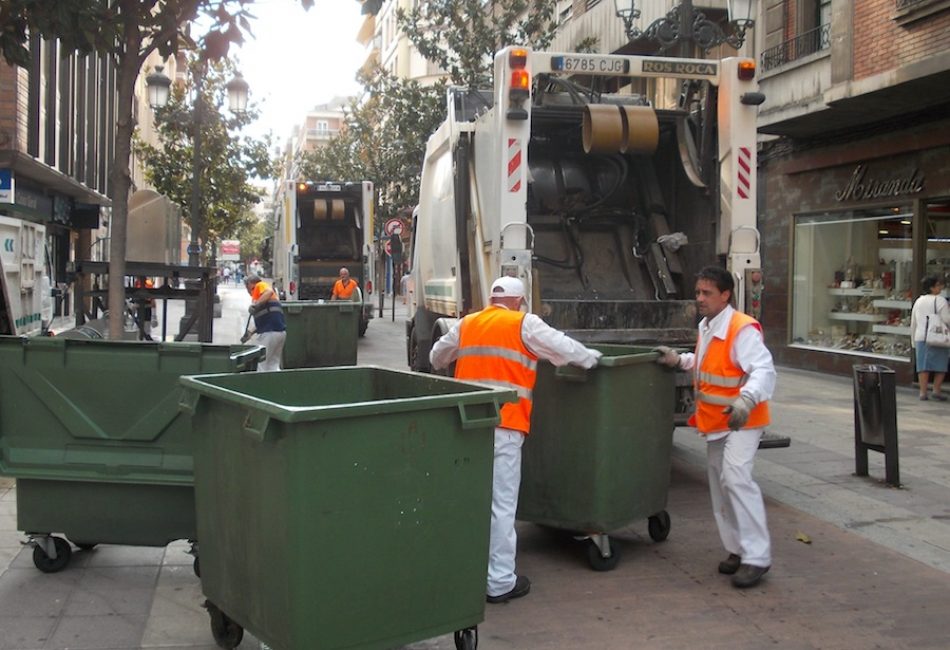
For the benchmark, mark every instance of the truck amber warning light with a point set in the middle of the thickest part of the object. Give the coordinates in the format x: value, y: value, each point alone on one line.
x: 747, y: 69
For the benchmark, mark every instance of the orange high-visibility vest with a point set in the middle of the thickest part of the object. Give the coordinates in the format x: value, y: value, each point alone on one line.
x: 344, y: 292
x: 491, y: 351
x: 718, y: 383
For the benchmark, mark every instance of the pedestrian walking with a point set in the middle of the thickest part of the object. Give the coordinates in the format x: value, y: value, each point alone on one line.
x: 930, y: 316
x: 269, y: 325
x: 500, y: 345
x: 734, y: 378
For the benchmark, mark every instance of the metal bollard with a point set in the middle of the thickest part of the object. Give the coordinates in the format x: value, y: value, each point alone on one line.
x: 875, y: 419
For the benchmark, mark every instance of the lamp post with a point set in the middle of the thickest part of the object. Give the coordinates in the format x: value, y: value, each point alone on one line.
x: 158, y: 85
x: 684, y: 24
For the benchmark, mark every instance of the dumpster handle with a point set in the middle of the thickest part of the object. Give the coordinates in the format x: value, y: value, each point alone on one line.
x: 257, y: 425
x: 570, y: 373
x: 188, y: 402
x: 474, y: 423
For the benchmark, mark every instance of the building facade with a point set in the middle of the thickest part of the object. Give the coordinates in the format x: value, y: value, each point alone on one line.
x: 854, y: 175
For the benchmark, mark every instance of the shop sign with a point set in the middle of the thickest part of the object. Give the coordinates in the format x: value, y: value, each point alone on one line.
x: 860, y: 187
x: 6, y: 186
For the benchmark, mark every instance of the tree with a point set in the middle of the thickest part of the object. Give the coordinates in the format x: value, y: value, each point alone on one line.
x: 127, y: 31
x: 229, y: 160
x: 383, y: 140
x: 252, y: 232
x: 462, y: 36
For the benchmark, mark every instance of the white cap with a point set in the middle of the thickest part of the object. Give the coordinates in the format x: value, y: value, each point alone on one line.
x: 507, y: 287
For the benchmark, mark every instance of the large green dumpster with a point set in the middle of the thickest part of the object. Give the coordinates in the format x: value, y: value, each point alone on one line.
x: 321, y: 334
x: 598, y: 456
x: 92, y: 432
x: 343, y: 507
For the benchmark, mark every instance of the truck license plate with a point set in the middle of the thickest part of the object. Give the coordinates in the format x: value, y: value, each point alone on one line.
x: 590, y: 64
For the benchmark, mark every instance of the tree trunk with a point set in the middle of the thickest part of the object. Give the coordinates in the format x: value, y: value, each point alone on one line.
x: 128, y: 65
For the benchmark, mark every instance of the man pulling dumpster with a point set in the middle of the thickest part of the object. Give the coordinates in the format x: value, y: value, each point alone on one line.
x: 500, y: 345
x: 734, y: 378
x: 269, y: 322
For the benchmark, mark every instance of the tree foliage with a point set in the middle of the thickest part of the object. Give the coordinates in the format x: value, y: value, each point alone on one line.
x: 383, y: 140
x: 228, y: 159
x: 127, y: 31
x: 462, y: 36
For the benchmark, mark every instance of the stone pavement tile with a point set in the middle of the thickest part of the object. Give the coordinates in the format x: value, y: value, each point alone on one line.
x: 25, y: 632
x: 28, y: 592
x: 113, y: 591
x: 97, y: 632
x: 7, y: 508
x: 106, y: 555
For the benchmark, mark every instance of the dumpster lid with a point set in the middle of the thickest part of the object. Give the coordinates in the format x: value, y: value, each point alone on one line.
x: 273, y: 393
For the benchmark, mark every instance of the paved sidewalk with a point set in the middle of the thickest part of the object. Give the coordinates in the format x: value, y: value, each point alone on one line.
x: 876, y: 573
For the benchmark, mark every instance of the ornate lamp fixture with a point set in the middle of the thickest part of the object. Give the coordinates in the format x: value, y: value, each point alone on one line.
x: 685, y: 23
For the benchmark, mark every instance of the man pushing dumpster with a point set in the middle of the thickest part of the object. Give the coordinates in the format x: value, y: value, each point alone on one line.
x: 734, y: 379
x: 500, y: 345
x: 269, y: 322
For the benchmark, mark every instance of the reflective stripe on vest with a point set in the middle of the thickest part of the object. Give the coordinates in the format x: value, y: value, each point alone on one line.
x: 491, y: 352
x: 718, y: 382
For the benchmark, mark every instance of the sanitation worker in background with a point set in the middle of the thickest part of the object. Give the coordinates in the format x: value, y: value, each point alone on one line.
x: 500, y: 345
x: 345, y: 287
x: 734, y: 379
x: 269, y: 322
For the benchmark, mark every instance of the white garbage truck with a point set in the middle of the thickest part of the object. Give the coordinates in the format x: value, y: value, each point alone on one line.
x: 568, y: 175
x: 321, y: 226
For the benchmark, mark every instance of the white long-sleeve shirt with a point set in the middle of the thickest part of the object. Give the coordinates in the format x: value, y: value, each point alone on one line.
x: 933, y: 306
x: 748, y: 353
x: 539, y: 337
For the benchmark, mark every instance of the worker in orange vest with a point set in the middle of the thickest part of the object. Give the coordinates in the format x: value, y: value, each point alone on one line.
x: 344, y: 287
x: 269, y: 323
x: 500, y: 345
x: 734, y: 379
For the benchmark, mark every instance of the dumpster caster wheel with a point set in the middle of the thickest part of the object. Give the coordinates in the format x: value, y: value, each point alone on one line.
x: 597, y: 560
x: 659, y: 526
x: 227, y: 634
x: 466, y: 639
x: 196, y: 567
x: 46, y: 564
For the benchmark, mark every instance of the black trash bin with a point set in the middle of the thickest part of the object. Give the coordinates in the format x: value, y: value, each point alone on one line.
x: 875, y: 418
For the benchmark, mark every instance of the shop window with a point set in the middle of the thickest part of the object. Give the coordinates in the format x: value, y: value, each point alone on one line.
x: 852, y: 282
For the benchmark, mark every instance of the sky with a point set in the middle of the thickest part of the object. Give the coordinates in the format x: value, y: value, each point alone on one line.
x: 299, y: 59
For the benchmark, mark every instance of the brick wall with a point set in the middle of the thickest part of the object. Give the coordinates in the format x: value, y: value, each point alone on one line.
x: 13, y: 103
x: 881, y: 44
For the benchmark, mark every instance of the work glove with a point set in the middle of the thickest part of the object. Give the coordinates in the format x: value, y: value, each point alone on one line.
x: 739, y: 412
x: 668, y: 356
x: 246, y: 337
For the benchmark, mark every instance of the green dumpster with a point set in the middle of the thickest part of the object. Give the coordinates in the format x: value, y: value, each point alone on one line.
x: 598, y: 456
x: 92, y: 432
x: 321, y: 334
x: 343, y: 507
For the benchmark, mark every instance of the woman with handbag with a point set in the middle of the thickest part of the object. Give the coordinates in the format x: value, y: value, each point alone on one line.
x: 930, y: 328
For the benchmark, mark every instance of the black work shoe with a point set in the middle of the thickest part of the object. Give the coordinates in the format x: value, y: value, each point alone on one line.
x: 521, y: 588
x: 748, y: 575
x: 730, y: 565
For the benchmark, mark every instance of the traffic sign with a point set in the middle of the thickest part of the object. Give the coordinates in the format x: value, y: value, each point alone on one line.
x: 388, y: 248
x: 393, y: 227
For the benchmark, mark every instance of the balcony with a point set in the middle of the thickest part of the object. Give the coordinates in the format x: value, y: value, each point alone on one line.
x: 908, y: 11
x: 810, y: 42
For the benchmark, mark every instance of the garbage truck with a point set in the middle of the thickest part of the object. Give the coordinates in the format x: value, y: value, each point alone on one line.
x: 321, y: 226
x: 26, y: 303
x: 568, y: 175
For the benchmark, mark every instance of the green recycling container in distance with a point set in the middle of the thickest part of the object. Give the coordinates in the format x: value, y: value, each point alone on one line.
x: 343, y: 507
x: 92, y: 432
x: 598, y: 456
x: 321, y: 334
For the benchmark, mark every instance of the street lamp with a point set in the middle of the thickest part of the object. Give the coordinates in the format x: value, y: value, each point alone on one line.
x: 684, y: 24
x: 158, y: 85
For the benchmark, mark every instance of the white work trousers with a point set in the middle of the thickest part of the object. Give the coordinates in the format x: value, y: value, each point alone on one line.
x: 736, y: 498
x: 273, y: 343
x: 503, y: 541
